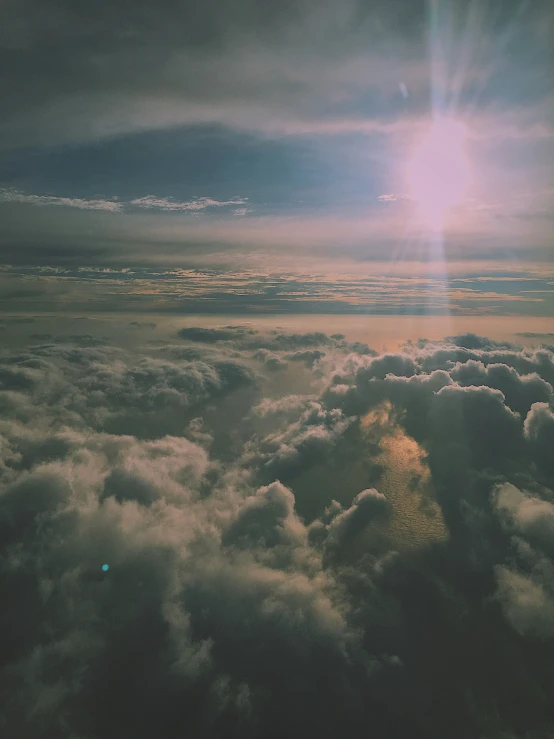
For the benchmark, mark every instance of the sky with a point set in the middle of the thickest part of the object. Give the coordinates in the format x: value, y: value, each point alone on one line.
x: 277, y: 369
x: 252, y: 140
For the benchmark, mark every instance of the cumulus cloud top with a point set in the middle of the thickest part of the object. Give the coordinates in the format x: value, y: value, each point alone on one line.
x: 255, y: 584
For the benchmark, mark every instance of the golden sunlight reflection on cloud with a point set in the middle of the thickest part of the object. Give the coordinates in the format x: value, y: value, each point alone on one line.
x: 405, y: 481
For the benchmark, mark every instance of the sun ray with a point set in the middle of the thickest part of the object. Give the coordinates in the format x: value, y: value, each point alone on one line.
x: 438, y: 173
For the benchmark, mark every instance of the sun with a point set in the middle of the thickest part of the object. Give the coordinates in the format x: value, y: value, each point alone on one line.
x: 438, y: 173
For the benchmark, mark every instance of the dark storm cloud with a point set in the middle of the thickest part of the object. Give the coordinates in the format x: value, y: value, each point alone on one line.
x: 76, y: 72
x: 224, y: 612
x: 124, y: 67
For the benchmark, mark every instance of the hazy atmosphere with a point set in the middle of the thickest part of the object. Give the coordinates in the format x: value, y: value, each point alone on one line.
x: 277, y: 369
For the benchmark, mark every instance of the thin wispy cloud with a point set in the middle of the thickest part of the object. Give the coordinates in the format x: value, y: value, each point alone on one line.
x: 196, y: 205
x: 149, y: 202
x: 8, y: 195
x: 393, y: 197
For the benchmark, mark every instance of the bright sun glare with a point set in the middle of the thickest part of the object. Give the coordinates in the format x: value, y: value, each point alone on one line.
x: 438, y: 173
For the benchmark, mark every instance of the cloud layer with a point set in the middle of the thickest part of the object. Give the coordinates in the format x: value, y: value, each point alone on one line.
x: 250, y: 516
x: 377, y: 288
